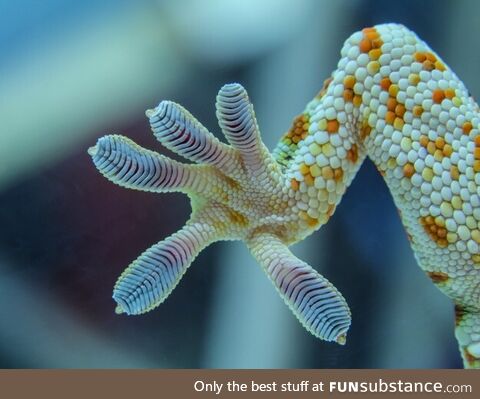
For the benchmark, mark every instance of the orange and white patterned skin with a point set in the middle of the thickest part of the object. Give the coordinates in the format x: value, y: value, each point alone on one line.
x: 392, y: 99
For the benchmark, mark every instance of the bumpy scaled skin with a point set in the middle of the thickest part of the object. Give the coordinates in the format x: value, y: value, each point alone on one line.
x: 391, y: 98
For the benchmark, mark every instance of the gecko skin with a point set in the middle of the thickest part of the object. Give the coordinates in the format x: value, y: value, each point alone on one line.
x: 392, y: 99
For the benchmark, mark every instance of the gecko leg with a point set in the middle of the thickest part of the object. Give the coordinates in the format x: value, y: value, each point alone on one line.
x: 392, y: 99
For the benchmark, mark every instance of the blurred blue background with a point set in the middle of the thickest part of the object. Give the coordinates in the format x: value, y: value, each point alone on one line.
x: 73, y: 71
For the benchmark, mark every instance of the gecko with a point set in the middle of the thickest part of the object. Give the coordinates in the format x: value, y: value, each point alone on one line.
x: 392, y: 99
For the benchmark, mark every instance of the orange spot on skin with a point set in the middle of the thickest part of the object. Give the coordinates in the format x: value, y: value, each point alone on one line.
x: 294, y: 185
x: 234, y: 185
x: 417, y: 110
x: 430, y: 57
x: 393, y: 90
x: 377, y: 43
x: 304, y: 169
x: 438, y: 277
x: 357, y: 101
x: 438, y: 96
x: 398, y: 123
x: 348, y: 95
x: 365, y: 131
x: 429, y: 61
x: 442, y: 233
x: 454, y: 172
x: 352, y: 154
x: 408, y: 170
x: 372, y: 34
x: 459, y: 313
x: 400, y: 110
x: 327, y: 173
x: 447, y: 150
x: 449, y: 93
x: 420, y: 57
x: 476, y: 166
x: 477, y: 141
x: 428, y: 65
x: 438, y: 155
x: 332, y: 126
x: 440, y: 66
x: 365, y: 45
x: 385, y: 83
x: 431, y: 147
x: 476, y: 153
x: 338, y: 174
x: 237, y: 218
x: 309, y: 180
x: 391, y: 104
x: 424, y: 140
x: 312, y: 222
x: 467, y: 127
x: 373, y: 67
x: 375, y: 54
x: 435, y: 230
x: 349, y: 82
x: 414, y: 79
x: 299, y: 129
x: 390, y: 117
x: 440, y: 142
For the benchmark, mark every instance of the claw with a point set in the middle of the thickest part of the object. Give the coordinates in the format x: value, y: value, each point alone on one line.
x: 119, y: 310
x: 150, y: 113
x: 342, y: 339
x: 92, y: 151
